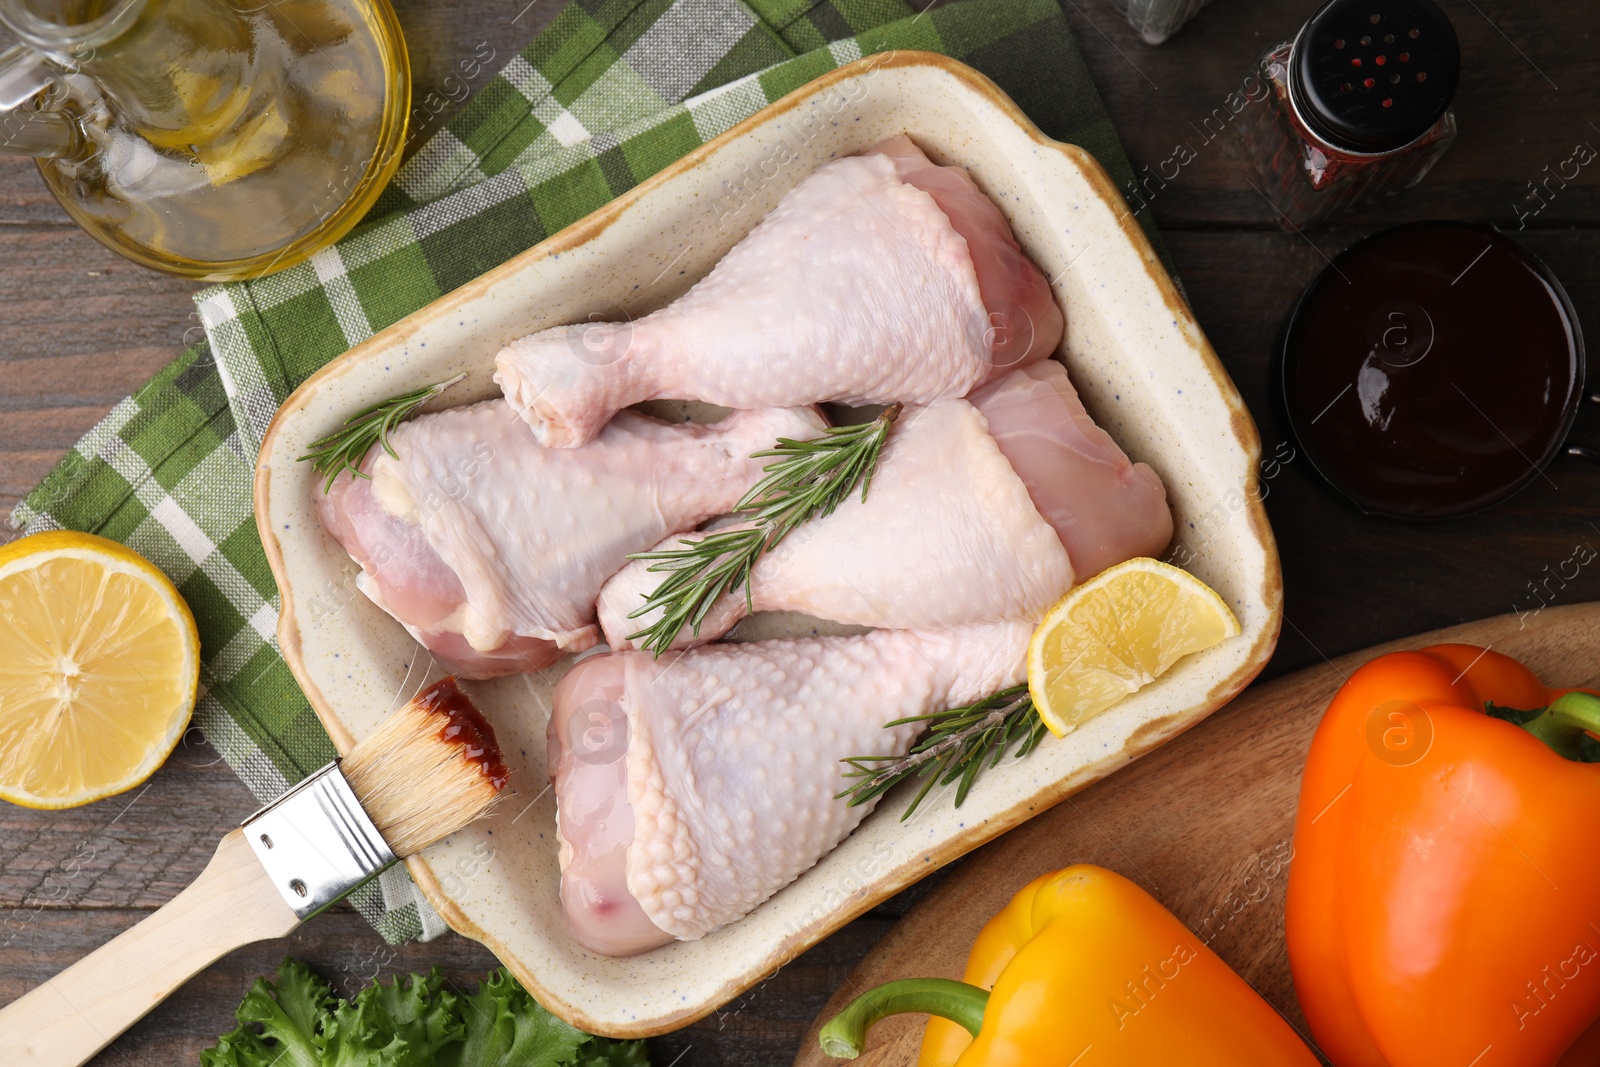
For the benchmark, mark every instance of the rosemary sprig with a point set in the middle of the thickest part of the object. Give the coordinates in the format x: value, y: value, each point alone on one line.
x: 697, y: 575
x: 959, y: 743
x: 344, y: 449
x: 808, y: 480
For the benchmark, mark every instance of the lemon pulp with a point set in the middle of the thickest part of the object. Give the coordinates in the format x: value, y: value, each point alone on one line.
x: 99, y: 678
x: 1115, y: 634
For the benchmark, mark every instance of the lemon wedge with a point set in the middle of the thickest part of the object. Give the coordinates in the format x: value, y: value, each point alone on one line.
x: 98, y: 677
x: 1117, y: 633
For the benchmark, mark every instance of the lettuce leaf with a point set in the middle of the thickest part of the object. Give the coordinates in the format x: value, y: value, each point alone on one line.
x: 277, y: 1023
x: 417, y: 1021
x: 506, y: 1028
x: 604, y: 1052
x: 404, y: 1024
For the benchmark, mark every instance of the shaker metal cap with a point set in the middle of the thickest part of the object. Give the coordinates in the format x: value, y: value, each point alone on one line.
x: 1372, y: 76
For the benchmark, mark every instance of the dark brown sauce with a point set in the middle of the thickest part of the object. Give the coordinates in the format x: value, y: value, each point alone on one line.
x: 1433, y: 370
x: 465, y: 725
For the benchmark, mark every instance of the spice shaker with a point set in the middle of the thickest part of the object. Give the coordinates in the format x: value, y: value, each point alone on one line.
x: 1358, y: 106
x: 1156, y: 20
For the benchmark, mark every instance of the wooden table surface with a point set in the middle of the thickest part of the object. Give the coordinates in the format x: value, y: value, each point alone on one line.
x: 80, y: 328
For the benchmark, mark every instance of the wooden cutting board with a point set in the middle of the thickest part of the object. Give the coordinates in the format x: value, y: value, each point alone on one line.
x: 1204, y: 823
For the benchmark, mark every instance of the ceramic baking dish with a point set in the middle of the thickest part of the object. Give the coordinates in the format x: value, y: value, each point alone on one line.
x: 1143, y: 368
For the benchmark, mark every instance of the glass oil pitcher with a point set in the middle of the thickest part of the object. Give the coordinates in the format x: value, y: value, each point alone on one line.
x: 214, y: 139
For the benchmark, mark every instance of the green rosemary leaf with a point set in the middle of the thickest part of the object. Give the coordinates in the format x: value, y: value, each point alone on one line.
x: 921, y: 793
x: 809, y: 479
x: 344, y: 449
x: 697, y: 575
x: 955, y: 748
x: 969, y: 772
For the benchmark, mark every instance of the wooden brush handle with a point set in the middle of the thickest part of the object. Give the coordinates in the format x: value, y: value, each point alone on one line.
x: 80, y: 1011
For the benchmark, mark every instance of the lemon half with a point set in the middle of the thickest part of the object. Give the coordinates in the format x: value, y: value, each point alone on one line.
x: 1115, y: 634
x: 99, y: 672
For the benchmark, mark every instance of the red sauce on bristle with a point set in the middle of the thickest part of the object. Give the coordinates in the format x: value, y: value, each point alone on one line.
x: 465, y: 725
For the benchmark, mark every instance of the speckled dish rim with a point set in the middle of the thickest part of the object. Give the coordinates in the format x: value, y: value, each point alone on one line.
x: 1266, y: 579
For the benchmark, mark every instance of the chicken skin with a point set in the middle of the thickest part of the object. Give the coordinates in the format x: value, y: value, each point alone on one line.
x: 691, y: 788
x: 982, y: 509
x: 880, y: 277
x: 491, y: 549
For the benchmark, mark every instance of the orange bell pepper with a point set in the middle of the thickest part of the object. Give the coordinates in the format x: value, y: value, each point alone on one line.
x: 1444, y: 901
x: 1082, y: 967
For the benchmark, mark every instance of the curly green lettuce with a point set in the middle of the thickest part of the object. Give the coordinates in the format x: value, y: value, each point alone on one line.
x: 417, y: 1021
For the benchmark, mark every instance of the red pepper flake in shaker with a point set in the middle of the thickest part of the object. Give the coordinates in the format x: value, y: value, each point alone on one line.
x: 1324, y: 148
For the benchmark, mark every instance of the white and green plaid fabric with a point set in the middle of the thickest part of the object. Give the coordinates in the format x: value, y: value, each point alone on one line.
x: 610, y: 93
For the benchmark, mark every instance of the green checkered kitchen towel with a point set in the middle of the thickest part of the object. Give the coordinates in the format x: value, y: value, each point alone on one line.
x: 610, y: 93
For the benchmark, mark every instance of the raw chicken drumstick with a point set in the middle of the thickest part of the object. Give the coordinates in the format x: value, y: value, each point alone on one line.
x: 491, y: 548
x: 980, y: 509
x: 691, y: 788
x: 880, y: 277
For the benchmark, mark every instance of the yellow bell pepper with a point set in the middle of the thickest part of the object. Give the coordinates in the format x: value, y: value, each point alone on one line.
x: 1082, y: 960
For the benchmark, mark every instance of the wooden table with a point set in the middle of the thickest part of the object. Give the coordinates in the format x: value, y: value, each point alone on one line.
x: 79, y: 328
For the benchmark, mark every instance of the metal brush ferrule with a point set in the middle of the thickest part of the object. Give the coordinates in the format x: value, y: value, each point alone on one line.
x: 317, y: 843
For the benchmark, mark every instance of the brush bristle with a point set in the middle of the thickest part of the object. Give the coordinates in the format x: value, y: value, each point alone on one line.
x: 431, y: 768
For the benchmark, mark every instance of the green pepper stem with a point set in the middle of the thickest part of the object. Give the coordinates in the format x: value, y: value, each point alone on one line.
x: 844, y: 1035
x: 1563, y: 724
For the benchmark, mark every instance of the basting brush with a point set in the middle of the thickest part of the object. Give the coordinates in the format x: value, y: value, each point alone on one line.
x: 428, y: 770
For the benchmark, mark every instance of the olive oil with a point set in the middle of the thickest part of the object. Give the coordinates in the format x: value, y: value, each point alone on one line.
x: 226, y: 138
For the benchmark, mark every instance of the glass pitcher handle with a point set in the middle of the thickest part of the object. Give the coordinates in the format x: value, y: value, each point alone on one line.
x: 24, y: 74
